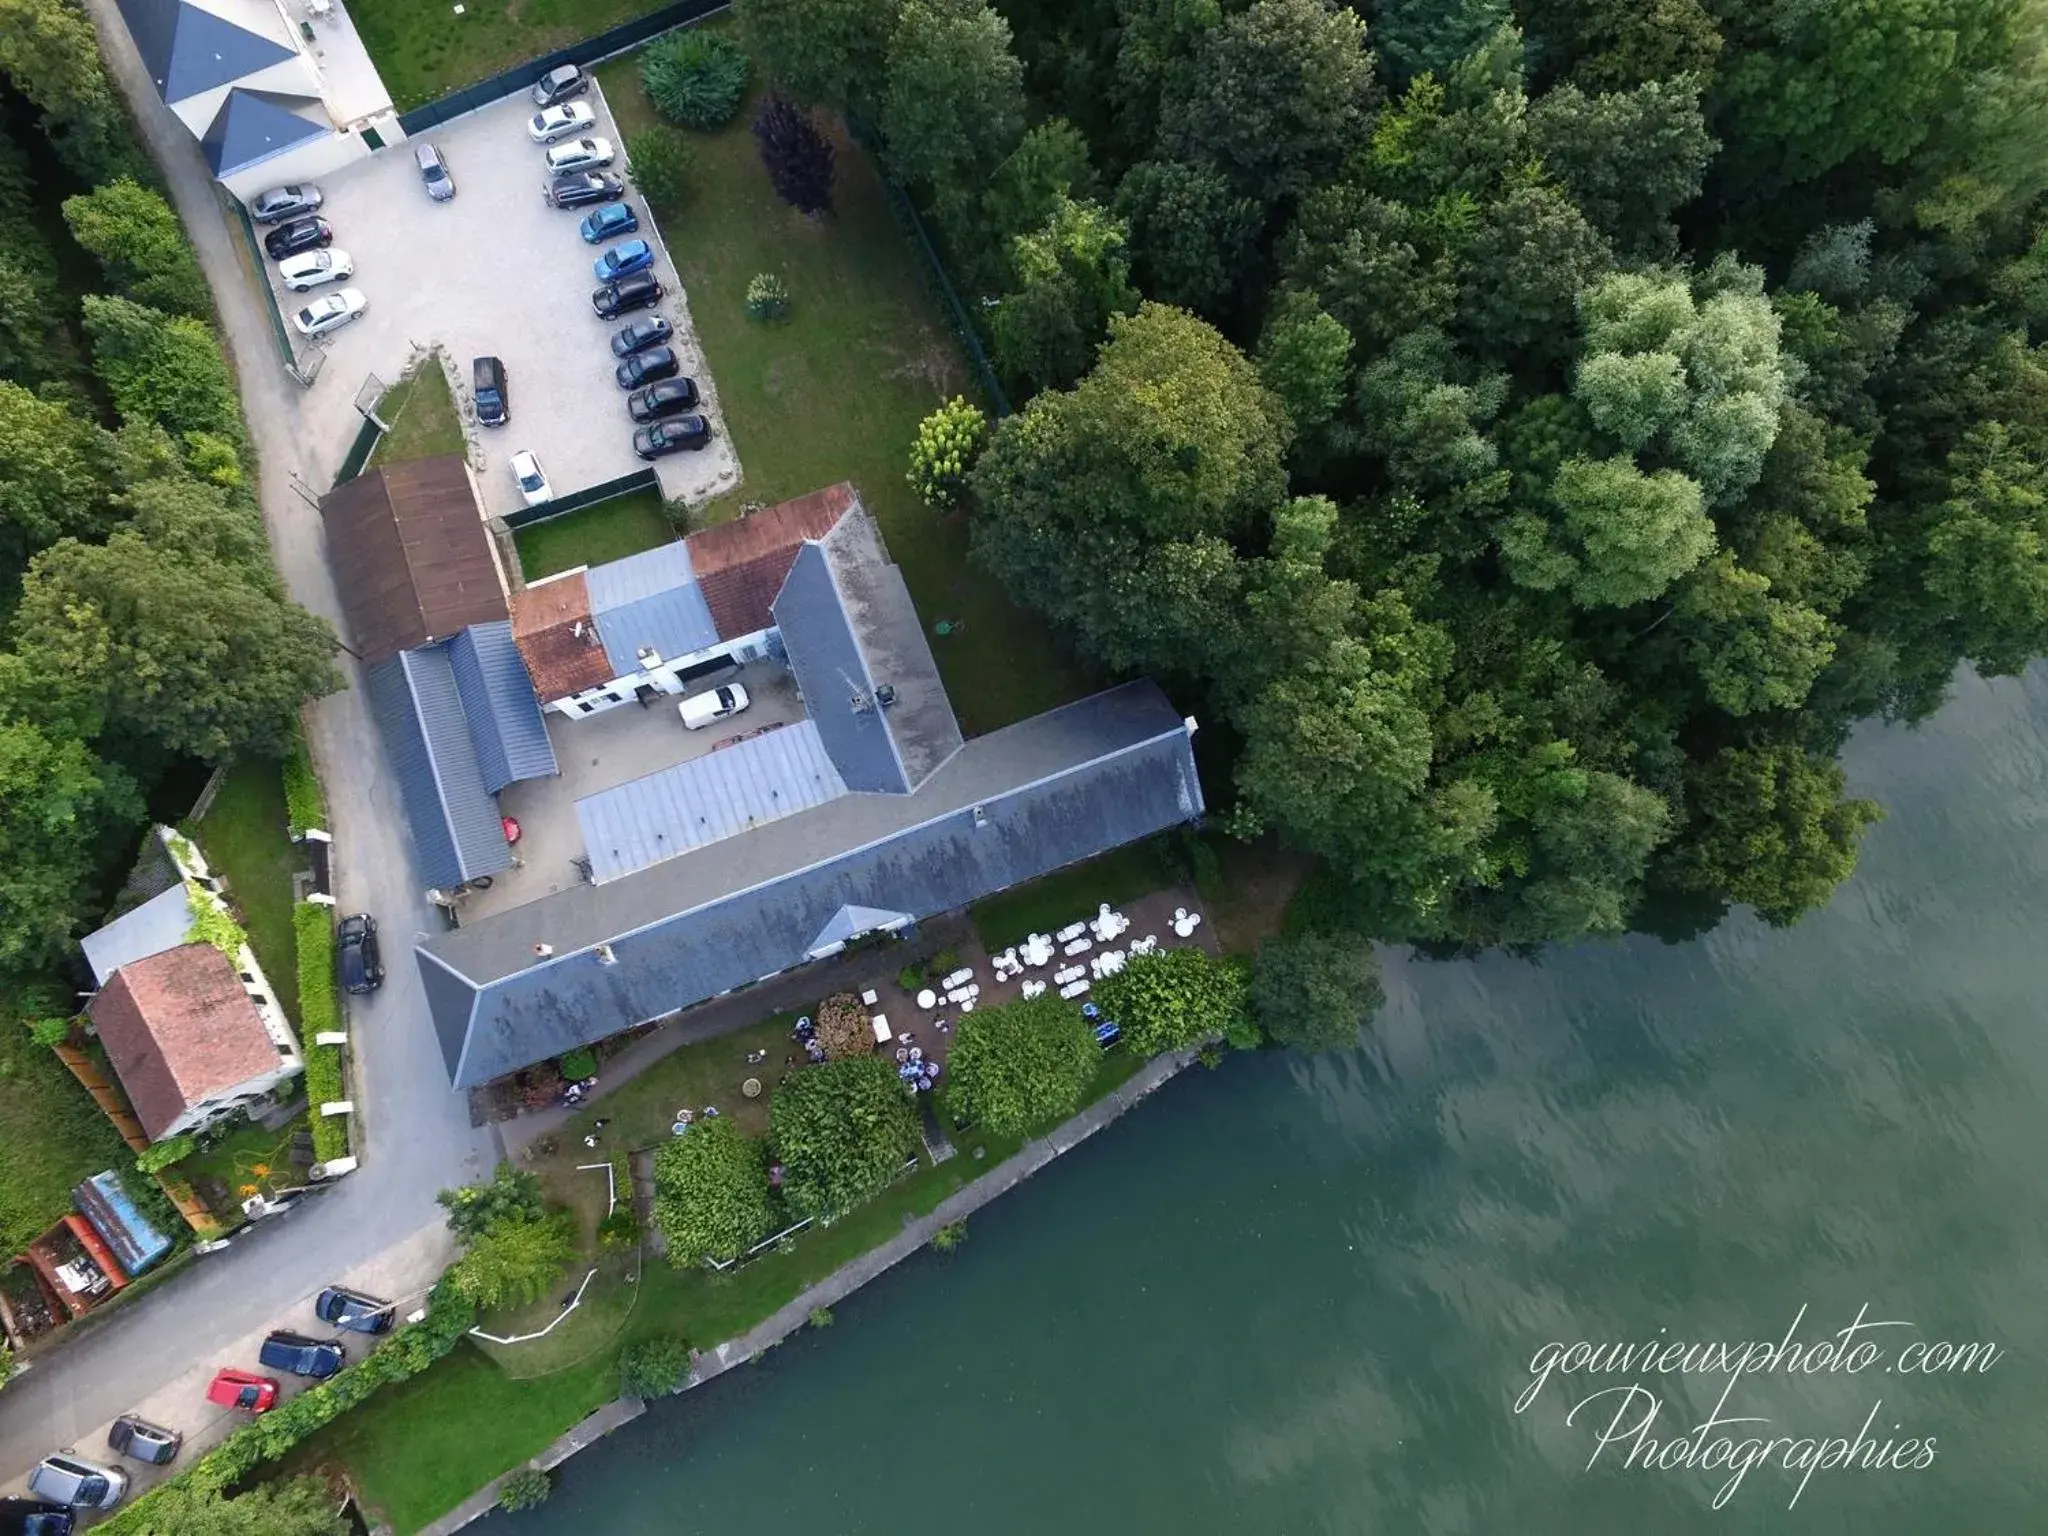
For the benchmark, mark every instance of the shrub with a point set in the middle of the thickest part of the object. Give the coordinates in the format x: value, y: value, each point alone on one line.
x: 821, y: 1317
x: 798, y: 158
x: 320, y: 1013
x: 1174, y: 997
x: 911, y: 977
x: 515, y: 1261
x: 949, y: 1237
x: 1022, y: 1065
x: 164, y: 1153
x: 169, y: 369
x: 304, y: 809
x: 49, y: 1031
x: 653, y: 1367
x: 578, y: 1065
x: 212, y: 923
x: 525, y: 1488
x: 140, y: 246
x: 841, y: 1131
x: 711, y: 1196
x: 509, y: 1197
x: 659, y: 160
x: 695, y: 78
x: 944, y: 451
x: 843, y: 1028
x: 767, y: 298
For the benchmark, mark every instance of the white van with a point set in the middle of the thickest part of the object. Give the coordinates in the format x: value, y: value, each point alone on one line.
x: 701, y: 709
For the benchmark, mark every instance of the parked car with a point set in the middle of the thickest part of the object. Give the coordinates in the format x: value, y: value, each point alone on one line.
x: 580, y: 155
x: 582, y: 188
x: 434, y: 173
x: 309, y: 269
x: 231, y: 1388
x: 647, y: 331
x: 143, y: 1441
x: 701, y: 709
x: 353, y: 1310
x: 35, y: 1517
x: 622, y: 260
x: 671, y: 397
x: 487, y: 380
x: 362, y: 968
x: 330, y: 312
x: 285, y: 203
x: 612, y: 219
x: 679, y: 434
x: 559, y: 122
x: 303, y: 234
x: 533, y: 480
x: 639, y: 291
x: 68, y: 1479
x: 645, y: 367
x: 284, y: 1350
x: 559, y: 84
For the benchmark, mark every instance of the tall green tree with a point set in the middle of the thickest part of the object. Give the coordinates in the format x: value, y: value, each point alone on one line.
x: 953, y: 94
x: 169, y: 369
x: 51, y: 474
x: 711, y: 1197
x: 515, y: 1262
x: 1428, y: 36
x: 829, y: 53
x: 1022, y: 1066
x: 59, y: 806
x: 841, y: 1131
x: 140, y: 246
x: 191, y: 1506
x: 1315, y: 991
x: 1191, y: 233
x: 1069, y: 277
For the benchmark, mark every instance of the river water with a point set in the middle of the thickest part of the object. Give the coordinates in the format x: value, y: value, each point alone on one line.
x: 1297, y: 1296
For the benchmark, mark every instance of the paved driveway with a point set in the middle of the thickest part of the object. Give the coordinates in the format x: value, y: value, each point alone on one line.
x: 380, y: 1224
x: 498, y: 272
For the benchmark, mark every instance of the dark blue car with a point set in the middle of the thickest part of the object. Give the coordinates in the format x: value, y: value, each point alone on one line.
x: 608, y: 221
x: 294, y: 1352
x: 623, y: 260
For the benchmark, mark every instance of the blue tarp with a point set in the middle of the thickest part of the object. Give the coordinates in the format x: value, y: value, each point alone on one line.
x: 105, y: 1204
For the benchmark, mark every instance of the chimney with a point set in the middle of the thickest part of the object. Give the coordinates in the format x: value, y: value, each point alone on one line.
x: 980, y: 817
x: 576, y: 629
x: 542, y: 951
x: 606, y: 955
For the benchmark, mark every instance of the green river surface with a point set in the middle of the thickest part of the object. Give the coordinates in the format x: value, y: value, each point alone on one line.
x: 1304, y: 1294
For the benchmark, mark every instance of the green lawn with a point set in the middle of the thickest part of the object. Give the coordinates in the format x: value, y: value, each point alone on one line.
x: 244, y: 838
x: 52, y: 1136
x: 611, y: 530
x: 245, y: 1159
x: 835, y: 392
x: 423, y: 50
x: 421, y: 413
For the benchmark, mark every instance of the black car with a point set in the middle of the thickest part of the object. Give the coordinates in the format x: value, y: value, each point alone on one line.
x: 487, y: 376
x: 35, y: 1517
x: 579, y: 189
x: 362, y: 969
x: 559, y: 84
x: 353, y: 1310
x: 679, y: 434
x: 671, y: 397
x: 648, y: 331
x: 646, y: 367
x: 302, y: 1356
x: 626, y: 295
x: 143, y: 1441
x: 306, y: 234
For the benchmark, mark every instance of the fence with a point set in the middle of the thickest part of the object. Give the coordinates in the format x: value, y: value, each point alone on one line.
x: 626, y: 35
x: 359, y: 452
x: 590, y: 496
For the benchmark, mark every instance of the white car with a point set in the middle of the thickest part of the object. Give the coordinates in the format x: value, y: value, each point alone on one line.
x: 561, y: 121
x: 330, y: 312
x: 309, y: 269
x: 533, y: 480
x: 579, y: 155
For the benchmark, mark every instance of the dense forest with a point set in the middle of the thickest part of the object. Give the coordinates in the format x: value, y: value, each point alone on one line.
x: 1536, y: 432
x: 145, y: 630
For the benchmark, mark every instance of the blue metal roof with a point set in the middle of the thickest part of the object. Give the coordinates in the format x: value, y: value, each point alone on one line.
x: 456, y: 829
x: 136, y: 1242
x: 159, y: 924
x: 504, y: 716
x: 737, y: 789
x: 252, y: 126
x: 189, y: 50
x: 618, y: 582
x: 1009, y: 807
x: 839, y: 695
x: 649, y: 600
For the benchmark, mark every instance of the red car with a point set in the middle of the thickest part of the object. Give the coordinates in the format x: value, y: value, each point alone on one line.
x: 239, y: 1389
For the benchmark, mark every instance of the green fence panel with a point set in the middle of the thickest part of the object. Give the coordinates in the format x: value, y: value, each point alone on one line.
x: 577, y: 501
x: 359, y: 452
x: 284, y: 339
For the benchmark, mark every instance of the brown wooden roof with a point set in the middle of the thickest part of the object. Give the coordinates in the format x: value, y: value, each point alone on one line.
x: 411, y: 556
x: 560, y: 660
x: 741, y: 565
x: 178, y: 1027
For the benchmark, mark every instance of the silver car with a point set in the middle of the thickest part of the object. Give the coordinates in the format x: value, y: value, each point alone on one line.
x: 68, y: 1479
x: 285, y: 203
x: 434, y: 172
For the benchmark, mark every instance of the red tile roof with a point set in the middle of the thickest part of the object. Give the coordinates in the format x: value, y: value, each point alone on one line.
x: 562, y: 661
x: 740, y: 566
x: 178, y: 1028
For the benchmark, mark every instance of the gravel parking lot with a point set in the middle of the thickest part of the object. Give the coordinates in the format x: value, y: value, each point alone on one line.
x: 497, y: 271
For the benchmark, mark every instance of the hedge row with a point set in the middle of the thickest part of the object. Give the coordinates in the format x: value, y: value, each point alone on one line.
x: 320, y: 1013
x: 305, y: 809
x: 405, y: 1354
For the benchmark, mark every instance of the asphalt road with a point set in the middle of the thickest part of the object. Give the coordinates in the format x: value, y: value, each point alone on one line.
x: 378, y: 1227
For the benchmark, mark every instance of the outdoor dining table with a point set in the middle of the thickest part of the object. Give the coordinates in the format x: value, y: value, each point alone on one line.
x: 1080, y: 946
x: 927, y: 998
x: 880, y: 1024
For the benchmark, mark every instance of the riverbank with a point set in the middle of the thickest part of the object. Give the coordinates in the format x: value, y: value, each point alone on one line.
x: 849, y: 1277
